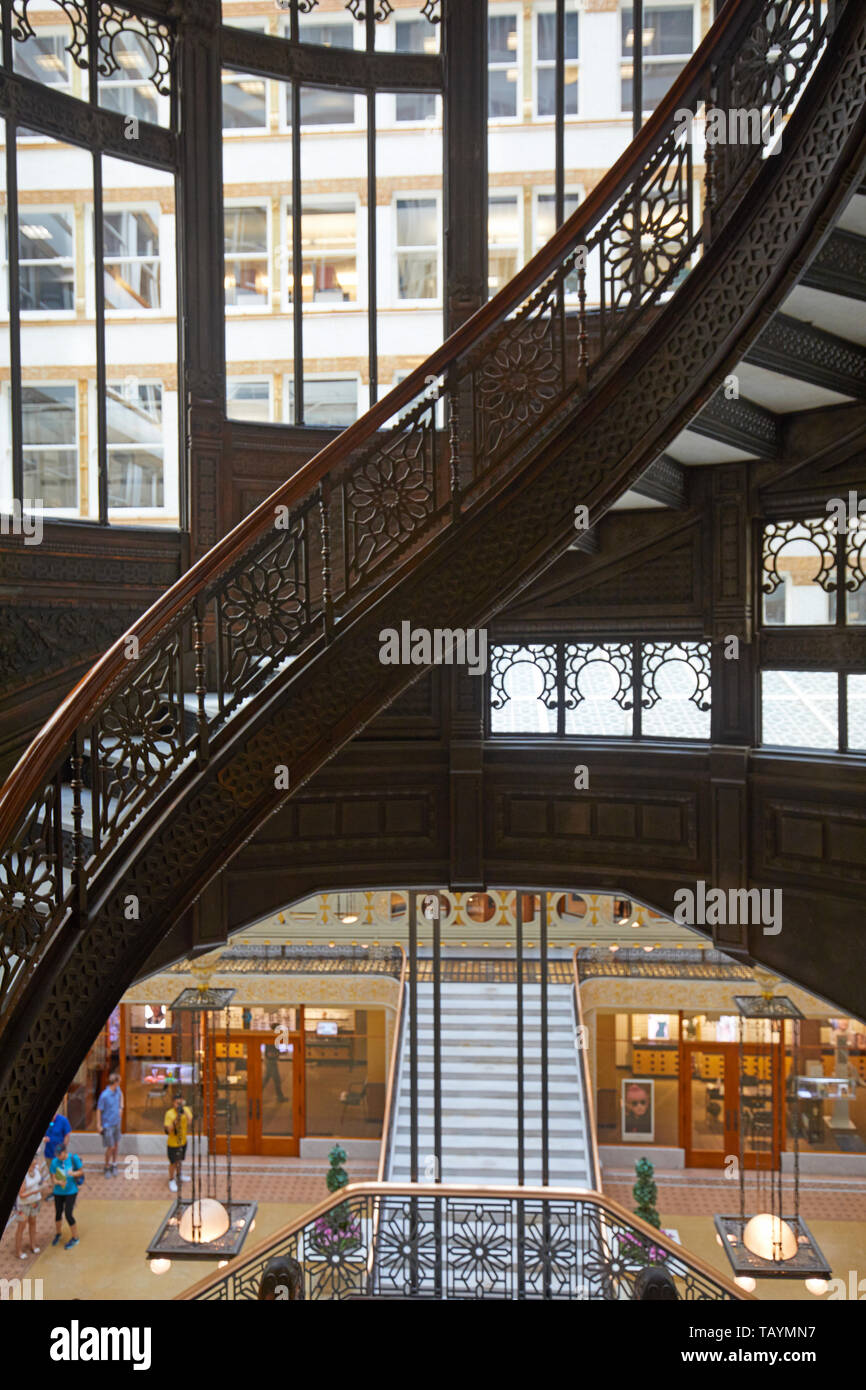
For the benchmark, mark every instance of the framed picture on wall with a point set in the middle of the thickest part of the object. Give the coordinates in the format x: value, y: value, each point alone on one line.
x: 638, y: 1111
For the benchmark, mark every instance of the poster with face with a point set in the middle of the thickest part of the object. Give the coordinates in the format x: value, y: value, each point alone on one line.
x: 638, y: 1113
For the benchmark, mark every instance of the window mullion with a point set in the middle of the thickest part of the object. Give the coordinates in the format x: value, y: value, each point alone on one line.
x: 637, y: 684
x: 99, y: 291
x: 15, y: 394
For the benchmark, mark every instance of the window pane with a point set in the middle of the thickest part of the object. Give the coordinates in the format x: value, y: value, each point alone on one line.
x: 675, y: 690
x: 328, y: 35
x: 665, y: 30
x: 796, y: 556
x: 857, y: 713
x: 326, y: 107
x: 135, y: 445
x: 502, y: 93
x: 130, y: 89
x: 246, y: 266
x: 43, y: 58
x: 132, y: 267
x: 329, y: 274
x: 855, y: 598
x: 547, y: 92
x: 48, y: 426
x: 248, y: 400
x: 326, y: 403
x: 523, y: 689
x: 416, y: 222
x: 800, y: 709
x: 546, y: 33
x: 244, y: 102
x: 46, y: 269
x: 502, y: 241
x: 598, y: 685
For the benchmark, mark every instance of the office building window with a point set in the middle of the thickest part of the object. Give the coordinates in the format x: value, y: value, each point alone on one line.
x: 503, y: 65
x: 50, y: 438
x: 249, y: 398
x: 503, y: 239
x: 135, y: 443
x: 245, y: 101
x: 322, y: 105
x: 247, y: 279
x: 668, y: 43
x: 417, y: 248
x: 129, y: 89
x: 131, y: 259
x: 413, y: 36
x: 545, y: 64
x: 329, y: 272
x: 329, y: 402
x: 46, y: 260
x: 45, y: 58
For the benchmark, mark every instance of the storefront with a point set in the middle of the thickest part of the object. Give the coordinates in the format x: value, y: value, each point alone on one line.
x: 274, y: 1074
x: 689, y: 1081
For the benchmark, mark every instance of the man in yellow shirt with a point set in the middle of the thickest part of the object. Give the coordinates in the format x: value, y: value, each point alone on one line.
x: 177, y: 1122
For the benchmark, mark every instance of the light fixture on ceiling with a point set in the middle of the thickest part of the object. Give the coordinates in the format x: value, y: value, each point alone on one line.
x: 347, y: 909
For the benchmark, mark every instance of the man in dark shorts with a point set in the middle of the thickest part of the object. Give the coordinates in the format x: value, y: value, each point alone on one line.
x: 177, y: 1123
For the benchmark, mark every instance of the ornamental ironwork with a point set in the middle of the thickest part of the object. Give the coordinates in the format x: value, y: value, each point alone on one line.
x: 783, y: 538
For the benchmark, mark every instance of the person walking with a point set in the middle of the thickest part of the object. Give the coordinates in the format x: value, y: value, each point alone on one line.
x: 67, y: 1171
x: 177, y: 1122
x: 27, y: 1205
x: 109, y: 1110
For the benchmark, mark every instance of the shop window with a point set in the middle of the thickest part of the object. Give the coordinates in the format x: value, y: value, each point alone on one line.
x: 417, y: 248
x: 826, y: 1093
x: 131, y: 259
x: 247, y: 280
x: 668, y: 43
x: 151, y: 1070
x: 545, y: 63
x: 136, y: 444
x: 413, y: 36
x: 49, y: 422
x: 637, y: 1078
x: 345, y: 1071
x: 503, y: 65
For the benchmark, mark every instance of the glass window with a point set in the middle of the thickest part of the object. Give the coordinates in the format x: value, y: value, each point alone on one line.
x: 857, y: 713
x: 135, y: 444
x: 413, y: 36
x: 855, y: 595
x: 826, y: 1086
x: 503, y: 239
x: 245, y: 101
x: 46, y: 251
x: 131, y: 259
x: 799, y: 562
x: 324, y: 106
x: 130, y: 90
x: 523, y: 689
x: 668, y: 42
x: 545, y: 64
x: 345, y: 1062
x: 44, y: 58
x: 150, y: 1072
x: 329, y: 272
x: 247, y: 279
x: 800, y: 709
x: 599, y: 699
x: 417, y: 248
x: 503, y: 40
x: 545, y: 215
x: 248, y: 399
x: 50, y: 441
x: 330, y: 402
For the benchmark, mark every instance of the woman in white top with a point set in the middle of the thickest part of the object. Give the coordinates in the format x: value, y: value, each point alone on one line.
x: 27, y: 1205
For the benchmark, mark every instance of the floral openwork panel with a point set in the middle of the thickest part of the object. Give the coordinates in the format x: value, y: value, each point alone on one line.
x: 855, y: 575
x: 265, y: 609
x: 599, y: 688
x: 524, y: 688
x: 31, y: 885
x: 138, y: 739
x: 391, y: 495
x: 799, y: 571
x: 675, y: 689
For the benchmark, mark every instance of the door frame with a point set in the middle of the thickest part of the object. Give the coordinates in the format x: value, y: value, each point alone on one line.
x: 254, y: 1141
x: 712, y: 1158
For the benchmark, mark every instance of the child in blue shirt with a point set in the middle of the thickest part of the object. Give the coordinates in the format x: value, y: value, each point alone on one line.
x: 67, y: 1171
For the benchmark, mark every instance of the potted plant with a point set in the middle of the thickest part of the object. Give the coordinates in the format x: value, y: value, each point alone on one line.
x: 645, y: 1193
x: 338, y: 1232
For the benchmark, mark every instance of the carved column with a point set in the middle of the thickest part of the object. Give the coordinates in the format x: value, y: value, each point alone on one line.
x: 464, y: 45
x: 467, y: 780
x: 731, y: 619
x: 200, y: 231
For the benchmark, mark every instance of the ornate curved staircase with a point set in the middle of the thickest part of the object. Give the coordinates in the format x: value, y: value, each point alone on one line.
x: 263, y: 660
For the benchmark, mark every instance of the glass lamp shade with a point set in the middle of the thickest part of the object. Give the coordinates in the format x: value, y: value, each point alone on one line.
x: 160, y: 1266
x: 817, y: 1286
x: 211, y: 1221
x: 765, y: 1234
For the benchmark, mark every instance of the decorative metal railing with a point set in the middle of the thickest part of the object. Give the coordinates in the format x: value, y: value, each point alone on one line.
x: 418, y: 1241
x: 172, y: 692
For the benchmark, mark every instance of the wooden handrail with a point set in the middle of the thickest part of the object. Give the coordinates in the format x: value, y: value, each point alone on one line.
x: 580, y: 1195
x: 38, y: 763
x: 587, y: 1078
x: 392, y: 1072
